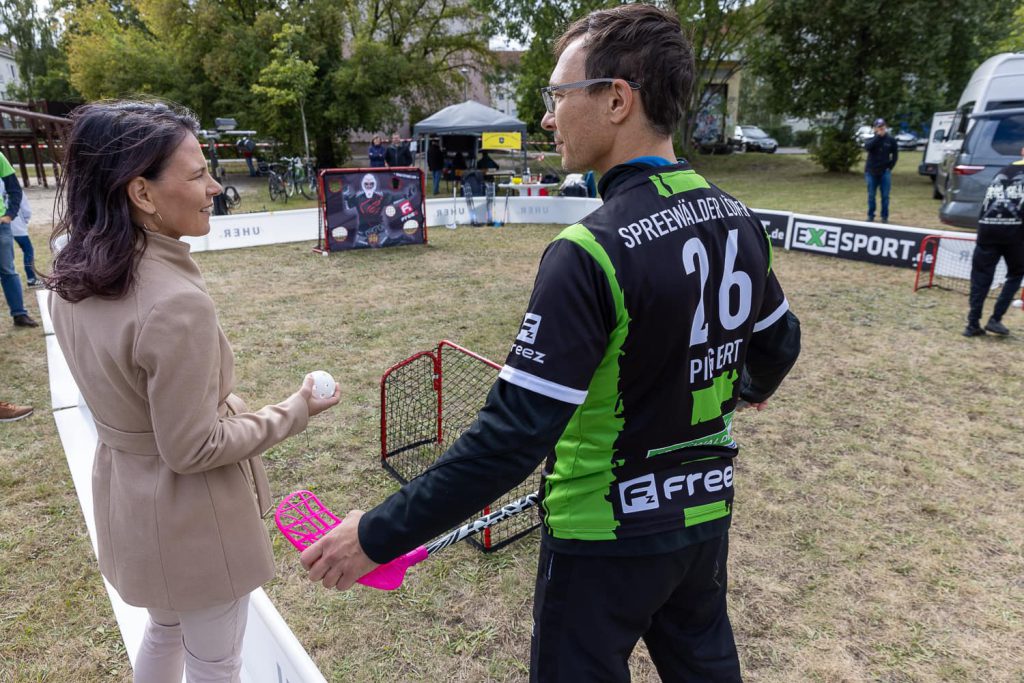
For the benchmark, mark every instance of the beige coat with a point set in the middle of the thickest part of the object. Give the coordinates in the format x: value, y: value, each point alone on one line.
x: 178, y: 484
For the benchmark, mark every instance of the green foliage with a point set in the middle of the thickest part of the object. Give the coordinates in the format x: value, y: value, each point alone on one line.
x: 719, y: 29
x: 349, y: 65
x: 835, y: 151
x: 845, y: 62
x: 782, y: 134
x: 1014, y: 40
x: 42, y: 65
x: 804, y: 138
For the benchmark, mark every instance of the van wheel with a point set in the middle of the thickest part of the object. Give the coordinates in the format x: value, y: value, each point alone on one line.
x: 935, y: 188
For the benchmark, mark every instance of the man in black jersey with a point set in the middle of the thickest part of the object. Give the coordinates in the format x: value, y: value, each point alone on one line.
x: 649, y: 320
x: 1000, y: 235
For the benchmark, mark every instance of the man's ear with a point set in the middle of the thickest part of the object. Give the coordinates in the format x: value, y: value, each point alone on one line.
x: 138, y: 194
x: 622, y: 101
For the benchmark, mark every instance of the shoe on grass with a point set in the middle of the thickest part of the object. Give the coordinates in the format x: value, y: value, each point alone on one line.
x: 996, y: 327
x: 24, y: 321
x: 973, y: 330
x: 10, y: 412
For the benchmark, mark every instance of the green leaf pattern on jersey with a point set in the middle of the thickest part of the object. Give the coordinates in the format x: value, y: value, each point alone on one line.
x: 677, y: 182
x: 576, y: 492
x: 707, y: 403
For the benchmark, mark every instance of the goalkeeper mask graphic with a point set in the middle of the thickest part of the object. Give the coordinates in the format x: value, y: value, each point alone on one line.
x: 369, y: 185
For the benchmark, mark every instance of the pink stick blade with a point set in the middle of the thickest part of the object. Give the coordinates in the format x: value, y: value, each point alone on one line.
x: 388, y: 577
x: 303, y: 519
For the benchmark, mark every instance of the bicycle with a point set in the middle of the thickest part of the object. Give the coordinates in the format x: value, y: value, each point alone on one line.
x: 279, y: 182
x: 229, y: 192
x: 303, y: 177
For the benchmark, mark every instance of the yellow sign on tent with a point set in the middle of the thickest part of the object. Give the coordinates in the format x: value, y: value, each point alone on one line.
x: 502, y: 141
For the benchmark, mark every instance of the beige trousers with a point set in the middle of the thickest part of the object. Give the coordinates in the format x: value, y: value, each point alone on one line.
x: 205, y: 643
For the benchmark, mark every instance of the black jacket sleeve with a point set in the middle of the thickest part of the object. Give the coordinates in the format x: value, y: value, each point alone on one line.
x: 772, y: 353
x: 895, y: 154
x: 514, y: 432
x: 13, y: 190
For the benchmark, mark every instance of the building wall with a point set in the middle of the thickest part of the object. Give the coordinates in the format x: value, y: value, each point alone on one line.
x: 8, y: 71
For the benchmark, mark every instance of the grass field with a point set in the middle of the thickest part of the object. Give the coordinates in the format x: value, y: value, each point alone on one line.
x: 878, y: 532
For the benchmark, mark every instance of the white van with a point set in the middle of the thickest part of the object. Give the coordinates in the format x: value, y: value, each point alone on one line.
x: 934, y: 147
x: 997, y: 84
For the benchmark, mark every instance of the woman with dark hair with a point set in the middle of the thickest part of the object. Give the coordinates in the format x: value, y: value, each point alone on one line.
x: 178, y: 483
x: 377, y: 152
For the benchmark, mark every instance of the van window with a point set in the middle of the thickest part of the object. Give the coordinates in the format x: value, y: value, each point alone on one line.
x: 1005, y: 104
x: 1008, y: 138
x: 962, y: 121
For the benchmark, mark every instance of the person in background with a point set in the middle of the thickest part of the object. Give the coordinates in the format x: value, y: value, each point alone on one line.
x: 376, y: 152
x: 179, y: 486
x: 435, y: 162
x: 247, y: 147
x: 10, y: 412
x: 398, y: 152
x: 624, y: 378
x: 10, y: 281
x: 486, y: 163
x: 19, y: 230
x: 883, y: 153
x: 1000, y: 235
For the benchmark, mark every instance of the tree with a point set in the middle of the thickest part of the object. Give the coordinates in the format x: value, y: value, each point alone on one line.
x: 844, y: 62
x: 1014, y: 42
x: 41, y: 64
x: 346, y: 64
x: 719, y: 30
x: 287, y: 79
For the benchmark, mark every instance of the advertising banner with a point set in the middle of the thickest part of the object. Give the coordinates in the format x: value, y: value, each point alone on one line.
x: 502, y: 141
x: 370, y: 208
x: 857, y: 240
x: 776, y: 224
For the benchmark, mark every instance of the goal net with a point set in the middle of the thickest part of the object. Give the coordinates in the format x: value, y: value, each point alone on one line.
x: 945, y: 262
x: 426, y: 402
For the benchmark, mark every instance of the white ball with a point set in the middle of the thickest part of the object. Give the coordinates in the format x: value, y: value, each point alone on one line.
x: 323, y: 384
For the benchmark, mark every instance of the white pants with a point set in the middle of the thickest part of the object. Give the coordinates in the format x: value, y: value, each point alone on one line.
x: 206, y: 643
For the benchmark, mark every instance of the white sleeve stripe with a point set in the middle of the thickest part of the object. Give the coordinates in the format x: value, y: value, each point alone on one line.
x: 542, y: 386
x: 767, y: 322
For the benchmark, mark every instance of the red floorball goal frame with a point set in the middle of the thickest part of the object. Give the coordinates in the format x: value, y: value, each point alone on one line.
x: 945, y: 262
x: 426, y: 402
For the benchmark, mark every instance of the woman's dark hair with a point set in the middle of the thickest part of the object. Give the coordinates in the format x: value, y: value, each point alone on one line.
x: 643, y: 44
x: 110, y: 143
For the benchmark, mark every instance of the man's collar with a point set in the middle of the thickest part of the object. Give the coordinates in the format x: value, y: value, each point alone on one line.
x: 618, y: 176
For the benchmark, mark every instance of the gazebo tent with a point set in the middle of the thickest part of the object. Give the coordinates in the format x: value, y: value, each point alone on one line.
x: 468, y: 118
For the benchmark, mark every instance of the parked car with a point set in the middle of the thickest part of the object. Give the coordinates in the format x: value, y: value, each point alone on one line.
x: 753, y: 139
x: 994, y: 140
x: 997, y: 84
x: 906, y: 140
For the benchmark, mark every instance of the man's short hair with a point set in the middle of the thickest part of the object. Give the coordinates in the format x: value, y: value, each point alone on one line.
x: 643, y: 44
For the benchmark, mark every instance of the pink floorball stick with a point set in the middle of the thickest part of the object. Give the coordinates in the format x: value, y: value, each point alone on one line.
x: 303, y: 519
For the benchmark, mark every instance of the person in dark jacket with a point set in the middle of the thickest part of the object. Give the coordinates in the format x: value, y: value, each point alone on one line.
x: 398, y: 152
x: 651, y: 322
x: 1000, y: 235
x: 435, y: 162
x: 882, y: 155
x: 376, y: 152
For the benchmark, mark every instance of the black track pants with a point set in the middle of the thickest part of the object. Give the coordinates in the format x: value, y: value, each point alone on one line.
x: 983, y: 268
x: 589, y: 613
